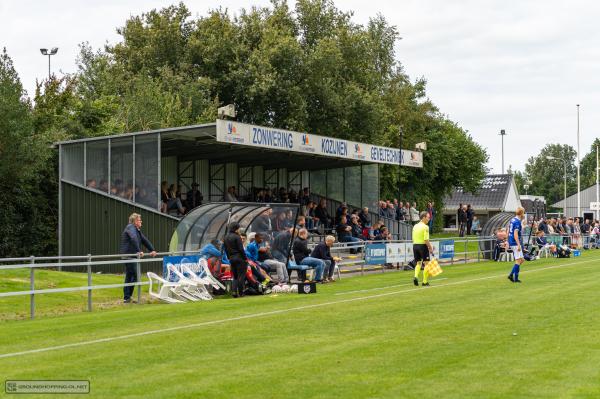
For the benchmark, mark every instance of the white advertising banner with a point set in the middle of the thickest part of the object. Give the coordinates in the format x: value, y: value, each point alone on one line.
x: 286, y: 140
x: 395, y: 253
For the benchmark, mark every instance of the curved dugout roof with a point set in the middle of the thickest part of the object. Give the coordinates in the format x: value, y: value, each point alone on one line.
x: 208, y: 222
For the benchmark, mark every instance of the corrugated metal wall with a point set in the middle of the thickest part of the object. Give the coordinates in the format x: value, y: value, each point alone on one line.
x: 168, y: 169
x: 202, y: 176
x: 93, y: 223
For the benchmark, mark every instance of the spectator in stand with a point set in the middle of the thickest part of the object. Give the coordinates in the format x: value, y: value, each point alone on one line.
x: 543, y: 225
x: 344, y: 232
x: 382, y: 209
x: 551, y: 226
x: 310, y: 214
x: 304, y: 198
x: 169, y: 200
x: 414, y: 214
x: 356, y: 226
x: 323, y: 251
x: 194, y: 197
x: 431, y: 212
x: 383, y: 235
x: 230, y: 195
x: 322, y: 214
x: 280, y: 223
x: 391, y: 211
x: 262, y: 224
x: 363, y: 215
x: 91, y: 183
x: 470, y: 214
x: 341, y: 210
x: 302, y: 255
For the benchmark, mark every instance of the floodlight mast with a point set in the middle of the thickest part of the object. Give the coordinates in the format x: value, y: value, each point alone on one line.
x: 50, y: 53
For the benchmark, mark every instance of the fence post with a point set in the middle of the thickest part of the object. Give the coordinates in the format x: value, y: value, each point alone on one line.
x: 89, y: 281
x: 139, y: 279
x: 32, y: 288
x: 478, y: 249
x: 466, y: 246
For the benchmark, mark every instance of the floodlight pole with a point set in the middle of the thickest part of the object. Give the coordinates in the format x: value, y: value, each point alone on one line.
x: 578, y: 167
x: 502, y: 134
x: 597, y: 187
x: 401, y: 132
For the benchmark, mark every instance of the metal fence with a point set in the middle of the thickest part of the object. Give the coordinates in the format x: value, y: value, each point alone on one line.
x: 466, y: 249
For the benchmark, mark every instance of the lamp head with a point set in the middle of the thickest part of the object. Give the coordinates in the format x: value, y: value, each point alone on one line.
x: 44, y: 51
x: 54, y: 50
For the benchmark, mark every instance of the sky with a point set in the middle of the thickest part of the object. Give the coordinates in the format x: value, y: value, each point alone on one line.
x: 490, y: 65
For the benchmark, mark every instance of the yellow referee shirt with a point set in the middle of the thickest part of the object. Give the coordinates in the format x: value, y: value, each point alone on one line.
x: 420, y: 233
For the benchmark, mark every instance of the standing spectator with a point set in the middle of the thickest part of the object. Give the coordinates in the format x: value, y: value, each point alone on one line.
x: 414, y: 214
x: 237, y: 257
x: 406, y: 212
x: 470, y: 214
x: 364, y: 217
x: 431, y: 211
x: 194, y: 197
x: 323, y: 251
x: 476, y: 226
x: 322, y: 214
x: 462, y: 220
x: 382, y: 209
x: 391, y: 211
x: 132, y: 240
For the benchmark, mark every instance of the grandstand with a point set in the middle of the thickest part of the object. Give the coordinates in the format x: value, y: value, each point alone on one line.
x: 104, y: 179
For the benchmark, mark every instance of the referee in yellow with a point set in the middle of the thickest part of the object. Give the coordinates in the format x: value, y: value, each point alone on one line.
x: 421, y: 247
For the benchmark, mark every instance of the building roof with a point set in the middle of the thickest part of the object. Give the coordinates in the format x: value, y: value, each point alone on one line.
x: 587, y: 195
x: 497, y: 192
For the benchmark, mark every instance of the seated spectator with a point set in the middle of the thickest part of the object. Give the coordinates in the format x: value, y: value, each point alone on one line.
x: 194, y: 197
x: 304, y: 197
x: 280, y: 223
x: 343, y: 211
x: 230, y: 195
x: 259, y: 252
x: 344, y: 232
x: 302, y: 255
x: 357, y: 230
x: 323, y: 251
x: 384, y: 235
x: 91, y: 183
x: 476, y: 226
x: 501, y: 244
x: 541, y: 243
x: 169, y: 200
x: 262, y: 224
x: 103, y: 185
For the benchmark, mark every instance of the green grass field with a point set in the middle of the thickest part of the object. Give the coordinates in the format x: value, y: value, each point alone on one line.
x: 472, y: 334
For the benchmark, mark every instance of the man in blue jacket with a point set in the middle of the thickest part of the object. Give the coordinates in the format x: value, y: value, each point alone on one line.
x: 132, y: 240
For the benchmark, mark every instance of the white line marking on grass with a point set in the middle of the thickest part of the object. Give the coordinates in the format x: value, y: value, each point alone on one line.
x: 270, y: 313
x: 383, y: 288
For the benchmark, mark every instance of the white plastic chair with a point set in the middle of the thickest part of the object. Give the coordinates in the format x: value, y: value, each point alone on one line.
x: 166, y: 289
x: 201, y: 272
x: 544, y: 252
x: 506, y: 256
x: 196, y: 288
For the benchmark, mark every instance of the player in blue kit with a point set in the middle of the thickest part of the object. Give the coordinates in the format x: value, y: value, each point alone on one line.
x: 516, y: 243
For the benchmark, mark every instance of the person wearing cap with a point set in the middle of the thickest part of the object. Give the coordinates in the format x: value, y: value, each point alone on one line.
x: 194, y: 197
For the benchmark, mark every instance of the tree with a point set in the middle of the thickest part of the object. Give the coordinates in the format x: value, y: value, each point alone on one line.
x: 547, y: 175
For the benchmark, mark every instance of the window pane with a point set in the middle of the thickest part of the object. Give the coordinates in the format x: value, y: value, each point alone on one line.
x: 96, y: 159
x: 352, y: 186
x: 146, y: 170
x: 335, y: 184
x: 370, y: 186
x: 318, y: 182
x: 72, y: 163
x: 121, y: 168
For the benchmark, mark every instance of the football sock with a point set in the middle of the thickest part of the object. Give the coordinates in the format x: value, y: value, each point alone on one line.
x: 514, y: 269
x: 417, y: 269
x: 425, y: 276
x: 517, y: 270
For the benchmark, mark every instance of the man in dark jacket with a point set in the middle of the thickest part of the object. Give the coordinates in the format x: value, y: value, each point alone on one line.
x: 322, y: 251
x: 132, y: 240
x: 303, y: 258
x: 237, y: 257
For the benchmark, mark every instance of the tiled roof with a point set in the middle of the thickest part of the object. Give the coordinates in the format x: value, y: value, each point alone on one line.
x: 491, y: 195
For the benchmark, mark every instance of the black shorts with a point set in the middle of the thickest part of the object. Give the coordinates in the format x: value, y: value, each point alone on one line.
x: 421, y: 252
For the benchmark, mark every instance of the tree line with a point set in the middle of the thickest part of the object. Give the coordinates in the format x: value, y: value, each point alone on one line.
x: 310, y: 68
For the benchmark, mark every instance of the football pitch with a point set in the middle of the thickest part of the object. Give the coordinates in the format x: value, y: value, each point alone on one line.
x: 472, y: 334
